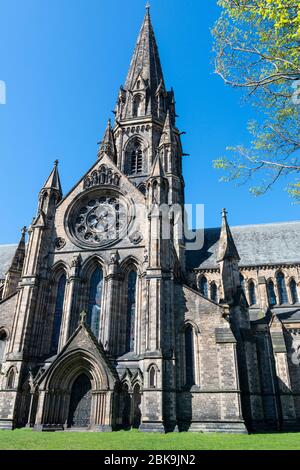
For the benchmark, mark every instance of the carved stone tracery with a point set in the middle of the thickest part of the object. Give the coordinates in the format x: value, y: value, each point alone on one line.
x: 102, y: 176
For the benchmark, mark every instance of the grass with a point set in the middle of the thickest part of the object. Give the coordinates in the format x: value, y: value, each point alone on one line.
x: 22, y: 439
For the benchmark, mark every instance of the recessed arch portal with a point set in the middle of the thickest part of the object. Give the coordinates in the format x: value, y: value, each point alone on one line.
x: 80, y: 403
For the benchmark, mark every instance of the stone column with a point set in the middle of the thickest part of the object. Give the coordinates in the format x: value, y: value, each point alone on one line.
x: 111, y: 315
x: 71, y: 301
x: 40, y: 410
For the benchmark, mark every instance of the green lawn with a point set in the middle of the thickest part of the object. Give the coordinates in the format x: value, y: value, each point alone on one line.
x: 134, y: 440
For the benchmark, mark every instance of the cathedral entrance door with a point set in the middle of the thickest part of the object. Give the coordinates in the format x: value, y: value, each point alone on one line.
x: 80, y: 403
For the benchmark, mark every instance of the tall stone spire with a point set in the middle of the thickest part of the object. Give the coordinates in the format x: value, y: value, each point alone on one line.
x: 145, y: 62
x: 14, y: 273
x: 107, y: 145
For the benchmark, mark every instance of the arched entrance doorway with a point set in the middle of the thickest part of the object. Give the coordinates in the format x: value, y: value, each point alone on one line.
x: 80, y: 403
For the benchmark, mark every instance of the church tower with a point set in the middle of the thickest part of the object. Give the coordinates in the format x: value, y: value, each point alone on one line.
x: 145, y: 119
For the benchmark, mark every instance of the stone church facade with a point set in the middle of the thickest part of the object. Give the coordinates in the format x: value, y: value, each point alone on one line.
x: 106, y: 323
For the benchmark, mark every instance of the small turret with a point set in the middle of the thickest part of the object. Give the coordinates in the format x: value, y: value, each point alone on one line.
x: 228, y: 258
x: 50, y: 195
x: 14, y: 272
x: 53, y: 181
x: 107, y: 146
x: 167, y: 137
x: 168, y: 148
x: 157, y: 184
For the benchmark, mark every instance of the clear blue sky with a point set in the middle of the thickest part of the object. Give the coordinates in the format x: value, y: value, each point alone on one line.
x: 63, y: 62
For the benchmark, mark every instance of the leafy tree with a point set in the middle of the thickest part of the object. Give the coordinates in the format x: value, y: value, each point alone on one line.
x: 257, y: 48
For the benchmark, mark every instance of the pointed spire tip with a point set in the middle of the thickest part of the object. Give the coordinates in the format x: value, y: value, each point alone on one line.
x: 224, y: 212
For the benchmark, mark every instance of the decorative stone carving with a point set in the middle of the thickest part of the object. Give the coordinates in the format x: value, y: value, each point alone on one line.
x: 114, y: 257
x: 136, y: 237
x: 31, y: 381
x: 60, y: 243
x: 76, y: 261
x: 83, y: 316
x: 146, y: 256
x: 102, y: 176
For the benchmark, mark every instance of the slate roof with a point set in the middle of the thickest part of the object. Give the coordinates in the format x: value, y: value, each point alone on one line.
x: 6, y: 255
x: 288, y: 314
x: 266, y: 244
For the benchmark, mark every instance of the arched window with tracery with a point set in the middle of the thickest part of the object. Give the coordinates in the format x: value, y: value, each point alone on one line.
x: 271, y: 293
x: 152, y: 377
x: 189, y: 355
x: 294, y: 292
x: 131, y: 311
x: 136, y: 156
x: 214, y: 292
x: 58, y: 312
x: 137, y: 106
x: 282, y: 291
x: 11, y: 379
x: 203, y: 286
x: 95, y: 301
x: 3, y: 341
x: 252, y: 293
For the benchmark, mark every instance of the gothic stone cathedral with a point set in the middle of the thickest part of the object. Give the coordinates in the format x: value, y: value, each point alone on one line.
x: 104, y: 328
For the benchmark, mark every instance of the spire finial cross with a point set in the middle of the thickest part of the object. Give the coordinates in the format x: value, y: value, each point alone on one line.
x: 148, y: 6
x: 83, y: 317
x: 224, y: 213
x: 56, y: 162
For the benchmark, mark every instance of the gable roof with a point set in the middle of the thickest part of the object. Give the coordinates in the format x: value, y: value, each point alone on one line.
x: 81, y: 340
x: 266, y: 244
